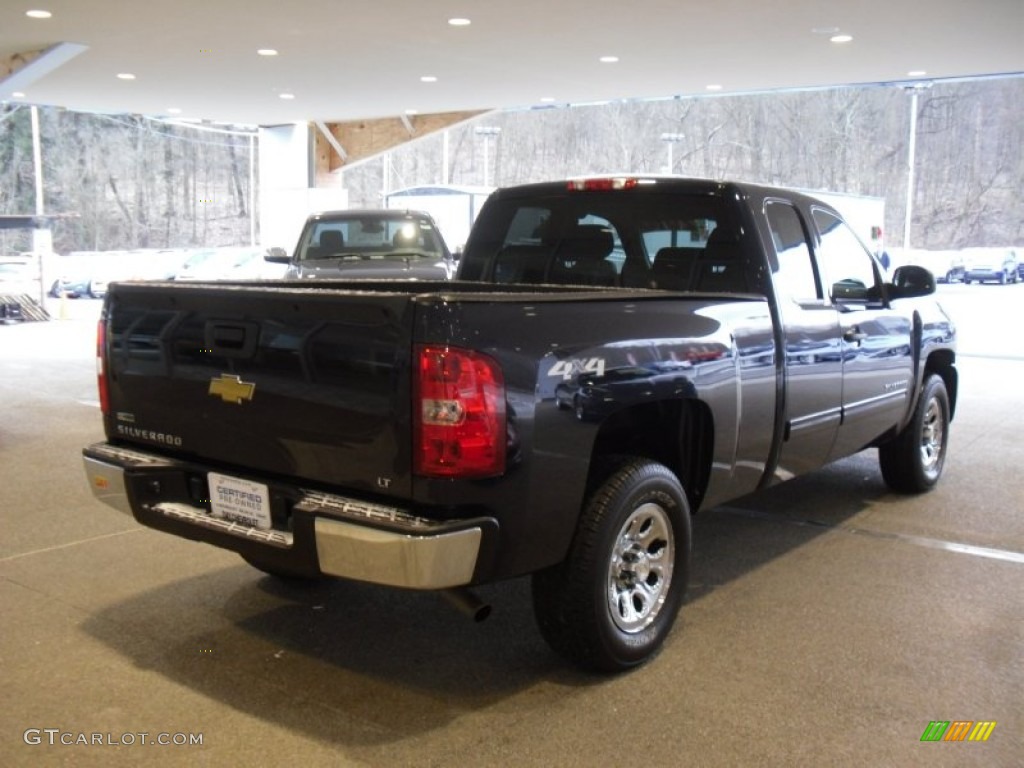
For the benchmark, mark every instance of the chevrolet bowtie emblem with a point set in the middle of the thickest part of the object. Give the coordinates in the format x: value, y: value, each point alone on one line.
x: 231, y: 389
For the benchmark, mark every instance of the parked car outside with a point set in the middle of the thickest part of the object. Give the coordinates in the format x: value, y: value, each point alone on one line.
x: 229, y: 263
x: 946, y: 265
x: 19, y: 277
x: 996, y: 265
x: 77, y: 284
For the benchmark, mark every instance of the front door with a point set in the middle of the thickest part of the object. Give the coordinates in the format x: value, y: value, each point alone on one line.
x: 876, y: 349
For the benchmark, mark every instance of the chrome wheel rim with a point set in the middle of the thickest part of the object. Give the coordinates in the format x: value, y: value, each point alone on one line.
x: 640, y: 570
x: 933, y: 436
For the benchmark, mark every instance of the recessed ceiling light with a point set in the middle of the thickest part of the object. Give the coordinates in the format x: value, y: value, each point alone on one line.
x: 608, y: 59
x: 286, y: 95
x: 459, y: 22
x: 18, y: 95
x: 173, y: 111
x: 125, y: 76
x: 547, y: 99
x: 266, y: 52
x: 38, y: 14
x: 916, y: 73
x: 412, y: 111
x: 840, y: 38
x: 428, y: 79
x: 713, y: 87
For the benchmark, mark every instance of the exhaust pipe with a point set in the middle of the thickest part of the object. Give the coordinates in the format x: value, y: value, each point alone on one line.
x: 467, y: 602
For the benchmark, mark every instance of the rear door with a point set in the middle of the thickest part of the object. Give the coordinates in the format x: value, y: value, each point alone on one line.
x: 813, y: 357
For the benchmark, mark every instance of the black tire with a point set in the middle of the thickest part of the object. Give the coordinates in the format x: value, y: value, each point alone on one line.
x: 296, y: 578
x: 610, y: 605
x: 913, y: 461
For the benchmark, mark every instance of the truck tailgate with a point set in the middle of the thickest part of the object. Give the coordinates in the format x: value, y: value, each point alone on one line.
x: 304, y: 383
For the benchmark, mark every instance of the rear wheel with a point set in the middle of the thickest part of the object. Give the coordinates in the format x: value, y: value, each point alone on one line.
x: 610, y: 605
x: 913, y: 461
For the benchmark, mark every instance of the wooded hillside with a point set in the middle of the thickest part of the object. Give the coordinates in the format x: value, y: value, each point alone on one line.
x: 134, y: 182
x: 969, y: 169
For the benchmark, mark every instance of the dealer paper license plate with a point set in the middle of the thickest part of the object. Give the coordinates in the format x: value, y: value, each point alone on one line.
x: 239, y: 500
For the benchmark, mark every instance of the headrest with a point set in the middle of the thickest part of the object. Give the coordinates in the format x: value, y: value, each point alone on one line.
x: 588, y: 241
x: 722, y: 245
x: 332, y: 239
x: 672, y: 259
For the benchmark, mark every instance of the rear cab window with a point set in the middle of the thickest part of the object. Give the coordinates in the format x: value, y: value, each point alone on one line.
x: 647, y: 240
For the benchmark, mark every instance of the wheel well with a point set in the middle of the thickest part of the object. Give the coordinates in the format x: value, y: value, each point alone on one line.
x: 676, y: 433
x: 943, y: 364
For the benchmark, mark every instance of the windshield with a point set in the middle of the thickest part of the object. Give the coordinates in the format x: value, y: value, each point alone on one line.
x: 370, y: 238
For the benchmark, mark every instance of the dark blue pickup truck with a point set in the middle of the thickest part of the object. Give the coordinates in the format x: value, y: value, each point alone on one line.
x: 614, y: 355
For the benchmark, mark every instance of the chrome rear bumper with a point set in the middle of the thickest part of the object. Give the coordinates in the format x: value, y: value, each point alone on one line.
x: 354, y: 539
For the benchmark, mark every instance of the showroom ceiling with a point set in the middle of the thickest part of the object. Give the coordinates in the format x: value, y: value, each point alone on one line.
x: 344, y: 61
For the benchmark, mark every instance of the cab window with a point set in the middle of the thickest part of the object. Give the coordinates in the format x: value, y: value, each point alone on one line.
x: 792, y: 267
x: 848, y: 266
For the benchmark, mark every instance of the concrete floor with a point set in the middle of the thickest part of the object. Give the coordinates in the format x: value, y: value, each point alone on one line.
x: 828, y: 621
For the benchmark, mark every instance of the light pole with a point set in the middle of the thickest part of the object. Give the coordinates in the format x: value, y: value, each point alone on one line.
x: 911, y: 151
x: 487, y: 131
x: 670, y: 140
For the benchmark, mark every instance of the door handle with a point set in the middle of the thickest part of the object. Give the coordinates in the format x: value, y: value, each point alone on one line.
x: 854, y: 334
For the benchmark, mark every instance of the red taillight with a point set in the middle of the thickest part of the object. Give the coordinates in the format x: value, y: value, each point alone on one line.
x: 458, y: 414
x: 101, y: 366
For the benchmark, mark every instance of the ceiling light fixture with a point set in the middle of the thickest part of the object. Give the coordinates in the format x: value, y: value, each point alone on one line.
x: 916, y: 73
x: 266, y: 51
x: 173, y: 111
x: 713, y: 87
x: 38, y: 14
x: 840, y: 38
x: 125, y: 76
x: 609, y: 59
x: 286, y: 96
x: 412, y: 111
x: 459, y: 22
x: 18, y: 95
x: 428, y: 79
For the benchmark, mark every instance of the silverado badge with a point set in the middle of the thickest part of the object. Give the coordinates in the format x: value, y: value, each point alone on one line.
x: 231, y: 389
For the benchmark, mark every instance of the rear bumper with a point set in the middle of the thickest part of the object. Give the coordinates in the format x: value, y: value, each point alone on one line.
x: 988, y: 274
x: 313, y: 532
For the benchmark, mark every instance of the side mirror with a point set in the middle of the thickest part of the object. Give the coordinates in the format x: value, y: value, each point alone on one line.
x: 911, y: 281
x: 277, y: 256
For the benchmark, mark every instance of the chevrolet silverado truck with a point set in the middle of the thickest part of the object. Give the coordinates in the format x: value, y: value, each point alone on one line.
x: 614, y: 355
x: 368, y: 244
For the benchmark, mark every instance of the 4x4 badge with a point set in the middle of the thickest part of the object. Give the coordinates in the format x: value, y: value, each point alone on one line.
x: 231, y: 389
